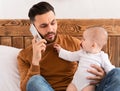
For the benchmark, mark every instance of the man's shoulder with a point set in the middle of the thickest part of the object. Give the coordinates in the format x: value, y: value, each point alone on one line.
x: 27, y: 52
x: 68, y: 42
x: 67, y: 37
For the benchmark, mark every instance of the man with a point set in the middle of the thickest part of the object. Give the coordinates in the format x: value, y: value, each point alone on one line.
x: 39, y: 66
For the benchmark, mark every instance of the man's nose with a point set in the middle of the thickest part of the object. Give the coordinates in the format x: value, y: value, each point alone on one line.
x: 50, y: 28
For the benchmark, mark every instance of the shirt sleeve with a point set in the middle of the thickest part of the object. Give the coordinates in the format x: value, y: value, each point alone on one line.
x: 26, y: 70
x: 69, y: 56
x: 106, y: 64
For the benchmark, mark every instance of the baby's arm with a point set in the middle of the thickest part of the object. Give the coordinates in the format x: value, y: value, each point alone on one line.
x: 106, y: 64
x: 67, y: 55
x: 57, y: 47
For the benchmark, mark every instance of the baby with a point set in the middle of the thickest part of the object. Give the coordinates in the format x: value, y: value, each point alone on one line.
x: 94, y: 38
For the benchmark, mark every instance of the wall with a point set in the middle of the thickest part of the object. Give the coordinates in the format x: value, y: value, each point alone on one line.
x: 14, y: 9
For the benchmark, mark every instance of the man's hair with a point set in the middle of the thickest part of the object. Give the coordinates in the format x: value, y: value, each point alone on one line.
x: 39, y: 9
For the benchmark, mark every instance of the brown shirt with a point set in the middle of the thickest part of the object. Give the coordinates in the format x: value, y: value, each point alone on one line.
x: 56, y: 71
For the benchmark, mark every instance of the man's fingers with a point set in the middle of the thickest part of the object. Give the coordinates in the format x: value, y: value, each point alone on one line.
x: 95, y: 72
x: 94, y: 77
x: 98, y: 68
x: 98, y: 74
x: 38, y: 42
x: 94, y: 82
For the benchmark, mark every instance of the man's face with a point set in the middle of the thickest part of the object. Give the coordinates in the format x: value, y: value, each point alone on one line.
x: 46, y: 25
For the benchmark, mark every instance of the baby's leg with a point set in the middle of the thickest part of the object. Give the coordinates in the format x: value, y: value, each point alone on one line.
x: 89, y: 88
x: 71, y: 87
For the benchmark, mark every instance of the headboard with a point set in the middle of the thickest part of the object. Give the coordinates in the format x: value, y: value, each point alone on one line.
x: 15, y: 32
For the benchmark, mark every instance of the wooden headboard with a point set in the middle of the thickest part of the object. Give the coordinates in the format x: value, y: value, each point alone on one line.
x: 15, y: 32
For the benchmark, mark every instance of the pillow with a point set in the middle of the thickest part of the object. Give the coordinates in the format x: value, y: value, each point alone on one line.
x: 9, y: 75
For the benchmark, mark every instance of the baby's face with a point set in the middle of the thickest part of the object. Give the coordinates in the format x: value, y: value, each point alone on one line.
x: 86, y: 43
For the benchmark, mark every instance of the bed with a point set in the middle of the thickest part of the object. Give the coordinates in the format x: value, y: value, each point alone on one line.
x: 15, y: 35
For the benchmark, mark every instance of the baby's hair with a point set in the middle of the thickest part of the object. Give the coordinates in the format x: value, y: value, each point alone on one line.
x: 98, y: 35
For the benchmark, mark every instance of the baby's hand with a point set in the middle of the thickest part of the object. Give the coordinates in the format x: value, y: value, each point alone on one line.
x: 57, y: 47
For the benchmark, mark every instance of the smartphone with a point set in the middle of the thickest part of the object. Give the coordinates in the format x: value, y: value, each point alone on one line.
x: 34, y: 32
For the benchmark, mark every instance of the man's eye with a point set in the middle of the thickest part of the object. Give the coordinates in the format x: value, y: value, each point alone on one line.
x: 53, y: 23
x: 43, y: 26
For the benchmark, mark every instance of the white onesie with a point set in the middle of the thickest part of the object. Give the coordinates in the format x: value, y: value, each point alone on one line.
x: 85, y: 60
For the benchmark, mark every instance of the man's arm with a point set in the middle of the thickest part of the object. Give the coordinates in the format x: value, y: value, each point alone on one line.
x: 30, y: 66
x: 26, y: 71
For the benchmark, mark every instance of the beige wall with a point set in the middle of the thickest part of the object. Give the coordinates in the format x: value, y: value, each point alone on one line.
x: 64, y: 8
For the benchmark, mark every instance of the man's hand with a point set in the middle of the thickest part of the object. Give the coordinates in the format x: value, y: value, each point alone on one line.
x: 99, y: 74
x: 38, y: 48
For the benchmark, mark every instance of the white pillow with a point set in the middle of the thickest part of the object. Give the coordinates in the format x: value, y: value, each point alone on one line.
x: 9, y: 75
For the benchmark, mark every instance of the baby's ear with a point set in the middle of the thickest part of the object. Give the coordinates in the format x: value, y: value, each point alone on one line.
x: 94, y: 45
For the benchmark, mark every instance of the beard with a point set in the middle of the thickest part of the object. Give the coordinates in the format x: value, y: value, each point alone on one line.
x: 50, y: 37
